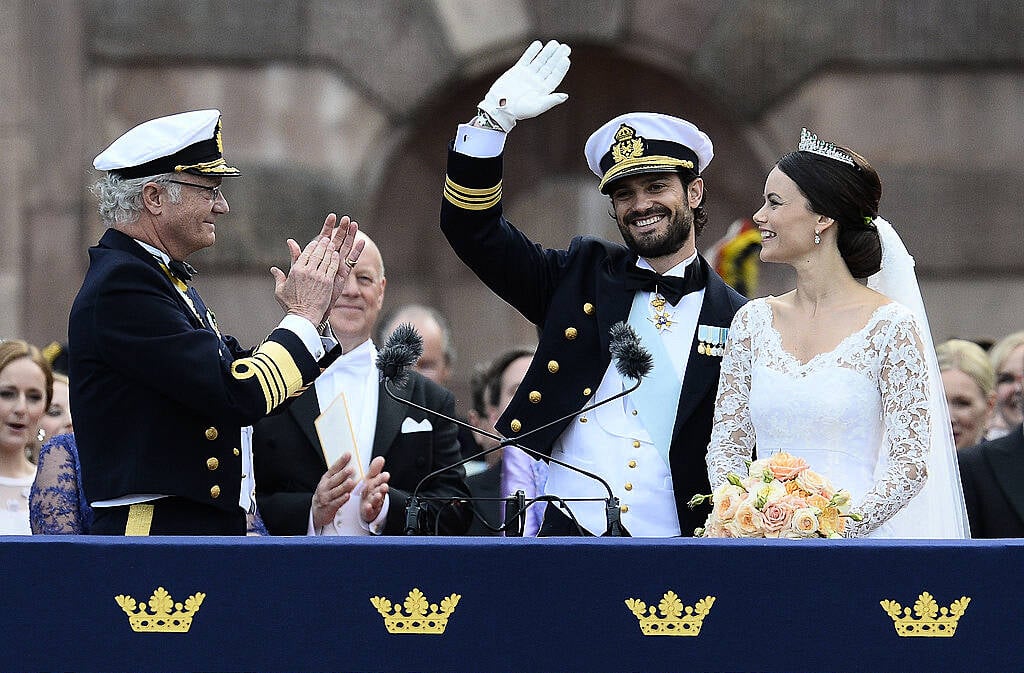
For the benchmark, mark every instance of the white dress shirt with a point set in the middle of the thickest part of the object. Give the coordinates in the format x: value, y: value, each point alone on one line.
x: 355, y: 375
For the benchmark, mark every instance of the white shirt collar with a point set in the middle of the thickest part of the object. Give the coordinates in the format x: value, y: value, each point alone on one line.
x: 156, y: 252
x: 677, y: 270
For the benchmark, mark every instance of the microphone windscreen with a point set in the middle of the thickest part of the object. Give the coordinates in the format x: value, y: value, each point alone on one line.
x: 632, y: 360
x: 401, y: 350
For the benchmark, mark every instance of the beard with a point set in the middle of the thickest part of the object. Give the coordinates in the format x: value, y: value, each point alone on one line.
x: 668, y: 243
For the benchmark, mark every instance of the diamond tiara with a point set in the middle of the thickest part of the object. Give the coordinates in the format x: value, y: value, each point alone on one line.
x: 810, y: 143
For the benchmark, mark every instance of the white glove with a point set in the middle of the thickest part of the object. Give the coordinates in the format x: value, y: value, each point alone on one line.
x: 524, y: 91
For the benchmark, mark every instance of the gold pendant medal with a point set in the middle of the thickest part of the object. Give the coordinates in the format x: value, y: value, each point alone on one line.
x: 662, y: 318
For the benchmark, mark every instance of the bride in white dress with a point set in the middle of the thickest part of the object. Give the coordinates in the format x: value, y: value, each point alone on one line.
x: 835, y: 372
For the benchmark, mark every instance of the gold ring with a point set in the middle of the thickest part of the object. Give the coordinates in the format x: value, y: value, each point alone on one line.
x: 349, y: 262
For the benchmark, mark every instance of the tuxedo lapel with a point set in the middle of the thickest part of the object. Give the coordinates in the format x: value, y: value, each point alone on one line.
x: 390, y: 415
x: 702, y: 370
x: 1007, y: 461
x: 305, y: 409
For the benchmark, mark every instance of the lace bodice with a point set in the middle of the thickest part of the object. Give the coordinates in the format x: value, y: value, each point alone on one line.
x: 858, y: 414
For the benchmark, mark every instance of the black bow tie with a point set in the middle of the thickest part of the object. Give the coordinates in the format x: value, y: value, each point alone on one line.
x: 672, y: 288
x: 183, y: 271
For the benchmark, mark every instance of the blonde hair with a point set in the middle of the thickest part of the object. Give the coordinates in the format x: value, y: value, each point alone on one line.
x: 15, y: 349
x: 1002, y: 349
x: 970, y: 358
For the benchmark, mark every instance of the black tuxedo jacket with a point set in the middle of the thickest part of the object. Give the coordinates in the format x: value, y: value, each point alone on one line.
x: 289, y: 460
x: 993, y: 477
x: 574, y: 296
x: 159, y: 394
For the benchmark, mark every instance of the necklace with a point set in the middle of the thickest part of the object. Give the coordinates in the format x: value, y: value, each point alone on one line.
x: 662, y: 317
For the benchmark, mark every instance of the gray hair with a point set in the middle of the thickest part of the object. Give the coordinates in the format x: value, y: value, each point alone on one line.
x: 120, y: 200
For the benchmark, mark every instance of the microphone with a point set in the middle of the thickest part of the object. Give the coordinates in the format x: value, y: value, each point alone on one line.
x: 403, y: 348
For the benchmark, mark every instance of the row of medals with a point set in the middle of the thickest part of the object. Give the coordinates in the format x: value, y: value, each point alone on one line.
x: 710, y: 339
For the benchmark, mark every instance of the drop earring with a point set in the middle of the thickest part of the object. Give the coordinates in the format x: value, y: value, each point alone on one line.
x: 817, y: 238
x: 40, y: 435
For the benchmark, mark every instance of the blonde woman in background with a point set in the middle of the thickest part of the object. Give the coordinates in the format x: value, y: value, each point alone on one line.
x: 1007, y: 358
x: 26, y: 386
x: 57, y: 419
x: 969, y: 382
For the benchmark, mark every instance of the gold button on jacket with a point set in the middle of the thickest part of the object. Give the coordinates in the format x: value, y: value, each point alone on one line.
x: 211, y: 433
x: 570, y: 333
x: 534, y: 396
x: 212, y: 464
x: 215, y: 491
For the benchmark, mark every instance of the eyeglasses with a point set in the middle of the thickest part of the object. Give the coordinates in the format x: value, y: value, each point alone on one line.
x: 215, y: 192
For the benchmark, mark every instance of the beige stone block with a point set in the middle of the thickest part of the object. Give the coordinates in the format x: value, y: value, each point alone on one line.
x: 473, y: 26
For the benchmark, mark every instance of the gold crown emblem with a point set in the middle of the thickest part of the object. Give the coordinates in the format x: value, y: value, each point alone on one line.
x: 627, y: 144
x: 931, y: 621
x: 416, y: 618
x: 675, y: 619
x: 164, y: 615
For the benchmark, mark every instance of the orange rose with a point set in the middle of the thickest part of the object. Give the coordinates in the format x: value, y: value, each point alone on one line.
x: 812, y: 482
x: 785, y: 466
x: 830, y: 521
x: 749, y: 522
x: 726, y: 499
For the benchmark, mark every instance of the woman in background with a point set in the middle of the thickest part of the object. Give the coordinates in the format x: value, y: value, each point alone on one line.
x: 969, y: 382
x: 26, y: 386
x: 1007, y: 357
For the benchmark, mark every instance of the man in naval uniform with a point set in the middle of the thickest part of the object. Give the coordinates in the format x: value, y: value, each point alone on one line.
x: 160, y: 396
x: 650, y: 445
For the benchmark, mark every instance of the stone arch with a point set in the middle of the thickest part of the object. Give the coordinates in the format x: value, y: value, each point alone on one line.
x: 548, y: 190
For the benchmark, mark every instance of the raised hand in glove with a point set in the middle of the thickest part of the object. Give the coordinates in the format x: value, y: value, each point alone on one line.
x: 525, y: 90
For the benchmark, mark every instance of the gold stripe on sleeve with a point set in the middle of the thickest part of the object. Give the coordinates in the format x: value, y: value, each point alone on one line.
x: 471, y: 199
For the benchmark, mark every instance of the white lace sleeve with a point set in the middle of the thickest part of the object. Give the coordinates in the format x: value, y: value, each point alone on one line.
x: 903, y: 381
x: 732, y: 435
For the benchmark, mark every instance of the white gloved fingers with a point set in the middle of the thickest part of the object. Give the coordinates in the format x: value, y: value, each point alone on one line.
x: 525, y: 89
x: 529, y: 54
x: 557, y: 66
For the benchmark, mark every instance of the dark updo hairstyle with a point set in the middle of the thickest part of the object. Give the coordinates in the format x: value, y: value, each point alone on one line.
x: 847, y: 194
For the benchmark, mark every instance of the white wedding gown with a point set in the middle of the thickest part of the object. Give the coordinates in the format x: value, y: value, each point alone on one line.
x: 858, y: 414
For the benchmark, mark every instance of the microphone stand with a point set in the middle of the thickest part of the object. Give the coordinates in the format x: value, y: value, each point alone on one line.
x: 613, y: 517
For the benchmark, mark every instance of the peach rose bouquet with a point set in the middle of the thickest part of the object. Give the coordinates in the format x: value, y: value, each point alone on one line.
x: 780, y: 497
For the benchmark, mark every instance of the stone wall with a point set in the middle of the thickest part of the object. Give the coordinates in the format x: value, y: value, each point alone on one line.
x: 347, y: 106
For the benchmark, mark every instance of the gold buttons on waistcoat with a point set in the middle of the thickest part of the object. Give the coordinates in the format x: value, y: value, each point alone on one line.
x: 211, y: 433
x: 632, y: 464
x: 588, y: 308
x: 636, y: 443
x: 629, y: 486
x: 586, y: 392
x: 534, y: 396
x: 215, y: 491
x: 515, y: 425
x: 553, y: 367
x: 583, y: 419
x: 623, y: 508
x: 212, y: 464
x: 570, y: 333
